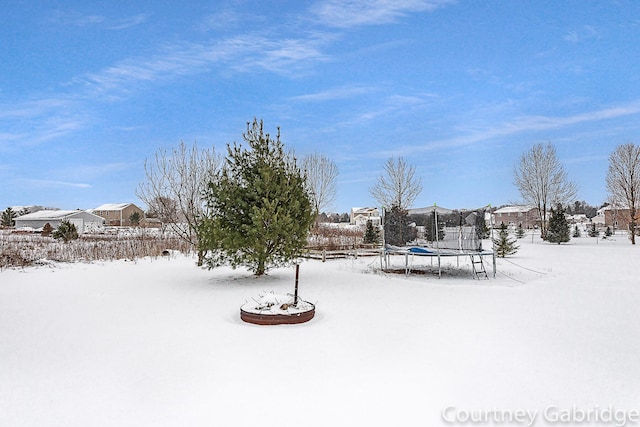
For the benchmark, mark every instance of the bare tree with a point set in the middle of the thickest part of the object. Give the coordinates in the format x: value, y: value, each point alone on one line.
x: 397, y: 186
x: 543, y: 182
x: 321, y: 174
x: 623, y: 182
x: 175, y: 186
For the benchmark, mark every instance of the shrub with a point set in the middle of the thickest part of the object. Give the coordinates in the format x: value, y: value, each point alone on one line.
x: 65, y: 232
x: 47, y: 230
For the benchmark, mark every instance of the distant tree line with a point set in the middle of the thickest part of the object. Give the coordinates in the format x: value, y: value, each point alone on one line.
x: 543, y: 183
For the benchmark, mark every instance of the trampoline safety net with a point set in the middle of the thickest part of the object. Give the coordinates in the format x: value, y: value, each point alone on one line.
x: 450, y: 230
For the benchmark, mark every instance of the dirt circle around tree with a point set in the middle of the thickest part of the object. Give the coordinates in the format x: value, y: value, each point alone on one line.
x: 277, y: 309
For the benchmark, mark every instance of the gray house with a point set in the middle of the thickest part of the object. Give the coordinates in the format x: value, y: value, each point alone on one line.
x: 84, y: 221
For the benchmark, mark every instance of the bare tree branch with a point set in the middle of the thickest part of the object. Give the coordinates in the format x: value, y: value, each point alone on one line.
x: 623, y: 182
x: 542, y: 181
x: 174, y: 188
x: 397, y: 186
x: 321, y: 174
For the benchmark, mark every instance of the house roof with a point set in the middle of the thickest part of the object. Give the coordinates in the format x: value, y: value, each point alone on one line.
x: 619, y: 207
x: 430, y: 209
x: 112, y: 207
x: 576, y: 216
x: 356, y: 211
x: 49, y: 214
x: 515, y: 209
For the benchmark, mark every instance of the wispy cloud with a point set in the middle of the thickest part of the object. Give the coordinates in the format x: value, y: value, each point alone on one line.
x: 242, y: 53
x: 45, y: 183
x: 99, y: 170
x: 342, y: 92
x: 34, y: 122
x: 351, y: 13
x: 387, y: 108
x: 585, y: 33
x: 34, y: 108
x: 517, y: 126
x: 74, y: 18
x: 123, y: 24
x: 227, y: 19
x: 585, y: 159
x: 77, y: 19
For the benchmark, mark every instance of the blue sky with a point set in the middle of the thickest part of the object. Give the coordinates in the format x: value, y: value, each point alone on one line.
x: 461, y: 89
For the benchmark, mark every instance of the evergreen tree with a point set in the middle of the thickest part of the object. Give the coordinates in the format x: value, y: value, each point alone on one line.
x: 482, y: 230
x: 558, y: 231
x: 8, y: 217
x: 520, y: 231
x: 608, y: 232
x: 371, y: 234
x: 396, y: 227
x: 576, y: 231
x: 134, y: 218
x: 593, y: 231
x: 503, y: 244
x: 260, y: 211
x: 47, y: 230
x: 66, y: 232
x: 430, y: 227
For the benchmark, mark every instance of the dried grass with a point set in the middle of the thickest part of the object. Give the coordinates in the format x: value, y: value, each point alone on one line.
x: 25, y: 249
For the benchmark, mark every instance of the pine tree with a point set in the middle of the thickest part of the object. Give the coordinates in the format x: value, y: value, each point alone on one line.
x: 503, y: 244
x: 520, y: 231
x: 430, y: 228
x: 608, y: 232
x: 371, y: 234
x: 47, y: 230
x: 576, y: 231
x: 396, y: 227
x: 66, y: 232
x: 134, y: 218
x: 8, y: 217
x: 482, y: 230
x: 260, y: 211
x: 558, y: 231
x: 593, y: 231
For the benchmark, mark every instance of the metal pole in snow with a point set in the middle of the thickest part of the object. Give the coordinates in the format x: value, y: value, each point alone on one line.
x: 435, y: 215
x: 493, y: 242
x: 295, y: 295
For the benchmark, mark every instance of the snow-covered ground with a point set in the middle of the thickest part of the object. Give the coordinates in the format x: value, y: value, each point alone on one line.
x: 159, y: 342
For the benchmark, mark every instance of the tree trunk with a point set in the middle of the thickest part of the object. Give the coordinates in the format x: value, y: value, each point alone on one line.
x: 260, y: 270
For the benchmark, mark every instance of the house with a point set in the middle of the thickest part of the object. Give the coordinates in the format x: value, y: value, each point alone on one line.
x: 83, y: 220
x: 360, y: 216
x: 599, y: 219
x: 118, y: 214
x: 516, y: 215
x: 616, y: 217
x: 577, y: 219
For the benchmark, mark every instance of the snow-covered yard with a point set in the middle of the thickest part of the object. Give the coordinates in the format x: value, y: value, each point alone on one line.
x: 160, y: 342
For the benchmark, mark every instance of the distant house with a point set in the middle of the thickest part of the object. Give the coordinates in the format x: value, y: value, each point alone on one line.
x: 360, y: 216
x: 599, y: 219
x: 516, y: 215
x: 617, y: 218
x: 577, y: 219
x: 117, y: 214
x: 83, y: 220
